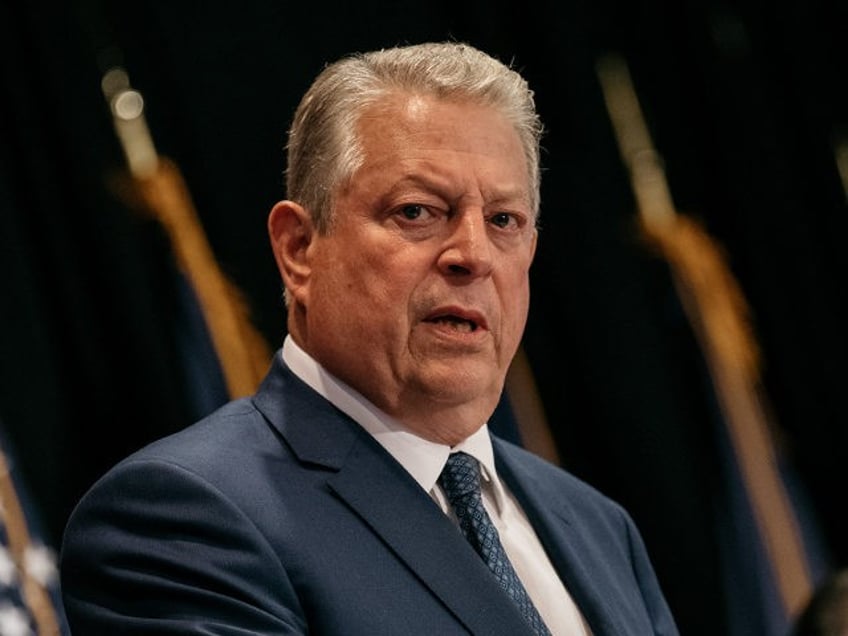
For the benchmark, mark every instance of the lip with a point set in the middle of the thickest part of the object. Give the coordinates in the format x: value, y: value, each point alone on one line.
x: 462, y: 313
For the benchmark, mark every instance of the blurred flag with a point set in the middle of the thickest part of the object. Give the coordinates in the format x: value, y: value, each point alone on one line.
x: 214, y: 313
x: 769, y: 548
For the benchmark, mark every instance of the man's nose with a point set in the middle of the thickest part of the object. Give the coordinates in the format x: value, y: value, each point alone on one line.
x: 468, y: 249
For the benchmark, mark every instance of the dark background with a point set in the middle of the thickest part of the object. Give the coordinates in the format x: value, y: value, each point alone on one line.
x: 744, y: 101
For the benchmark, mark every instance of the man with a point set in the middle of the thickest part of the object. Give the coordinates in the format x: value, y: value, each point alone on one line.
x: 329, y: 502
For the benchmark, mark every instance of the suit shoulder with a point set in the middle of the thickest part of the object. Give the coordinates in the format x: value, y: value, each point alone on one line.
x: 217, y: 432
x: 224, y: 443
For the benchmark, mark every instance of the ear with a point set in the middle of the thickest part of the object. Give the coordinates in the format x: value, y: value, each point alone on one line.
x: 290, y: 230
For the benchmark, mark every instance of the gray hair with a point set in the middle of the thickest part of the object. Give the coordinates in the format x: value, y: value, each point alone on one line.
x: 323, y: 149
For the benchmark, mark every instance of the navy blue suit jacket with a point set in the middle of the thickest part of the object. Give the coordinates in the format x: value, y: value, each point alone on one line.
x: 280, y: 515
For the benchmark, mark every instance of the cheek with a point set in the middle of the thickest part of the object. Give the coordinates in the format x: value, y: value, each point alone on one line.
x: 389, y: 276
x: 515, y: 303
x: 370, y: 295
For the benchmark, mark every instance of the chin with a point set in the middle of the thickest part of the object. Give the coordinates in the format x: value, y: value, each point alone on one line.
x: 463, y: 388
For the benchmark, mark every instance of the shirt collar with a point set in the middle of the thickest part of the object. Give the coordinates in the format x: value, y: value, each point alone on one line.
x: 422, y: 458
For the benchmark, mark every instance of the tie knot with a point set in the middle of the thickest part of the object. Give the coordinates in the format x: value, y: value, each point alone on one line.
x: 460, y: 477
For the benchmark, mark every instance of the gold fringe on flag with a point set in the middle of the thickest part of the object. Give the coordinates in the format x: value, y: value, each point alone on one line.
x: 241, y: 350
x: 840, y: 155
x: 528, y: 409
x: 720, y: 319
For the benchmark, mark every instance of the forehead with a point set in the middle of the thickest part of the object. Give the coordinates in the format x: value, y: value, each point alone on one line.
x: 400, y: 114
x: 405, y: 130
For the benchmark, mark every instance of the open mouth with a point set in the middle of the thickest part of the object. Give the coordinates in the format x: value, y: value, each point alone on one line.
x: 457, y: 323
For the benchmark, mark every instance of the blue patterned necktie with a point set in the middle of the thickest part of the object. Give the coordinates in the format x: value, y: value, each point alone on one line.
x: 460, y: 480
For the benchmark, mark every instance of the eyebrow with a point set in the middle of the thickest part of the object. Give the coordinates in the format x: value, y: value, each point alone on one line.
x: 493, y: 196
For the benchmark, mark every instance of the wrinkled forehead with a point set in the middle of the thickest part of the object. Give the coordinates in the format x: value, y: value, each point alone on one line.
x: 399, y: 116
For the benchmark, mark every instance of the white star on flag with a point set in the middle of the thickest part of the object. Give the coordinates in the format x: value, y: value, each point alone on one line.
x: 8, y: 570
x: 40, y: 564
x: 13, y: 621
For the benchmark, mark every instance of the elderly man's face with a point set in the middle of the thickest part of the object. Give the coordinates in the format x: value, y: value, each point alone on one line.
x: 418, y: 295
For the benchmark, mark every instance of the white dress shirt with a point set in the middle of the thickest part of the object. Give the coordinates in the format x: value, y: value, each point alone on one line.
x: 424, y: 460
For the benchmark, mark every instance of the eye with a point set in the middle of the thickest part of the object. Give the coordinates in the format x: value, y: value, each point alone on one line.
x: 417, y: 213
x: 412, y: 211
x: 415, y: 219
x: 503, y: 220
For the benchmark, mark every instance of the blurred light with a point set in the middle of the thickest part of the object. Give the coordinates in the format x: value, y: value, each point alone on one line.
x: 128, y: 104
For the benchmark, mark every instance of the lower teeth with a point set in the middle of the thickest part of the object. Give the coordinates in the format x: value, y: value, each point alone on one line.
x: 459, y: 325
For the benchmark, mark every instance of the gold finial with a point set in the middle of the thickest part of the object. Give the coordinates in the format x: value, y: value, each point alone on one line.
x: 127, y: 106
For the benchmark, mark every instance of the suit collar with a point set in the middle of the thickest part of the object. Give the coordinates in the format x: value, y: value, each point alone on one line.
x: 422, y: 458
x: 314, y: 429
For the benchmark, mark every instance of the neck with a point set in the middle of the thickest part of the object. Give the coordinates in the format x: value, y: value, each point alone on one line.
x: 444, y: 424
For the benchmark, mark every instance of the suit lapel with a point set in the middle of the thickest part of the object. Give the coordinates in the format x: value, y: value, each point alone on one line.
x: 573, y: 554
x: 390, y: 502
x: 386, y: 497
